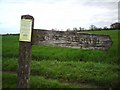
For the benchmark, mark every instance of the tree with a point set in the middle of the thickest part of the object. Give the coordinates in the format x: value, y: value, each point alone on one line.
x: 68, y: 29
x: 105, y: 28
x: 75, y: 29
x: 93, y: 27
x: 80, y: 28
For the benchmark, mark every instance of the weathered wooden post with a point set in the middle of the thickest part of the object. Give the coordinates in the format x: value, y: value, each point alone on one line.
x: 23, y: 75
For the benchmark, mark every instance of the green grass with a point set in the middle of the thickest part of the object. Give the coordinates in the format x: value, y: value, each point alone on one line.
x: 71, y: 71
x: 65, y: 64
x: 10, y: 44
x: 9, y: 81
x: 112, y: 54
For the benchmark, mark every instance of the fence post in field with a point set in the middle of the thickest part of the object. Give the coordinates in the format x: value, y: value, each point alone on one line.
x: 23, y: 74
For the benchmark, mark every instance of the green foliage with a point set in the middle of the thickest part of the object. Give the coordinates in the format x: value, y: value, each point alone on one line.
x: 65, y: 54
x: 9, y: 64
x: 10, y: 46
x: 9, y: 81
x: 38, y: 82
x: 71, y: 71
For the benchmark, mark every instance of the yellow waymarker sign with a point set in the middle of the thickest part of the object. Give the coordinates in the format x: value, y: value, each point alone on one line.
x: 25, y: 30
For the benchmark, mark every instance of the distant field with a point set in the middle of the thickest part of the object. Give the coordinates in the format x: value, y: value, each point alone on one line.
x: 10, y: 44
x: 76, y: 67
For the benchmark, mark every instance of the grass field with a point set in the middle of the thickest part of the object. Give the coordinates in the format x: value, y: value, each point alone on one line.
x: 61, y: 67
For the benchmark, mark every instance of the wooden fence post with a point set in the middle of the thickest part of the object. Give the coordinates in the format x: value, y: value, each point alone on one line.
x: 23, y: 74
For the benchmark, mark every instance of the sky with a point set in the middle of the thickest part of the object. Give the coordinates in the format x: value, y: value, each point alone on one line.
x: 57, y: 14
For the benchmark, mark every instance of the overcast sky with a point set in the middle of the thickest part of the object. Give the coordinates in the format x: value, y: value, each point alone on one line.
x: 60, y: 14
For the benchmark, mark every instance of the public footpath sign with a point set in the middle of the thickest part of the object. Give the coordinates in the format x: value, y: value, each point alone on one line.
x: 25, y: 30
x: 67, y: 39
x: 26, y: 27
